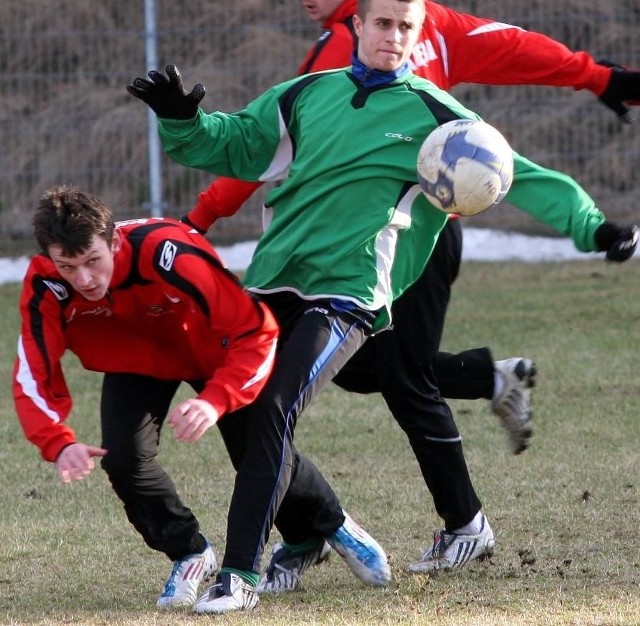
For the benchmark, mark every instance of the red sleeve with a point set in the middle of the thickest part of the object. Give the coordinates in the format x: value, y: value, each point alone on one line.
x: 252, y: 334
x: 236, y: 320
x: 479, y: 50
x: 249, y: 361
x: 41, y: 396
x: 222, y: 198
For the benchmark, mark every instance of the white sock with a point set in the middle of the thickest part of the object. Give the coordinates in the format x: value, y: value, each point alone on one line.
x: 473, y: 527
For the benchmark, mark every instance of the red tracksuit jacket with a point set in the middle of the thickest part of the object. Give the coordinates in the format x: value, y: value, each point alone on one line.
x: 458, y: 48
x: 453, y: 48
x: 172, y: 312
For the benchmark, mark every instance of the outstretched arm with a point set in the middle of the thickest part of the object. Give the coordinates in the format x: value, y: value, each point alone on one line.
x: 557, y: 200
x: 480, y: 50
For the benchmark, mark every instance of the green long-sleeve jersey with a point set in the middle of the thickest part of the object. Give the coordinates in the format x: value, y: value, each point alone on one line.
x: 348, y: 219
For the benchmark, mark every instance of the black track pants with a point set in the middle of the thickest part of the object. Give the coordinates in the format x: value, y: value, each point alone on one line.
x: 317, y: 339
x: 402, y: 361
x: 133, y: 409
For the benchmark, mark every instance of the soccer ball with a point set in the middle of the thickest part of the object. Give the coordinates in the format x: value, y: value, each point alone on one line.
x: 465, y: 167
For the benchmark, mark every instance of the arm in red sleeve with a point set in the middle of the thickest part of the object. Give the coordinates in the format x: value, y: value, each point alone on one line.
x: 41, y: 396
x: 252, y: 337
x: 479, y: 50
x: 222, y: 198
x: 248, y: 364
x: 237, y: 334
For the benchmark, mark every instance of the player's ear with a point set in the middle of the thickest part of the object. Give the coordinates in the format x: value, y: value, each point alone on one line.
x: 116, y: 242
x: 357, y: 25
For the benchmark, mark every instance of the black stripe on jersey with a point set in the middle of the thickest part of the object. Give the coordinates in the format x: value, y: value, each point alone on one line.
x: 287, y: 101
x: 439, y: 110
x: 180, y: 282
x: 319, y: 46
x: 359, y: 98
x: 289, y: 97
x: 40, y: 290
x: 136, y: 237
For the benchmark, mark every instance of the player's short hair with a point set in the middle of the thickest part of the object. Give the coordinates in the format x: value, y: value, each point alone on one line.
x: 364, y: 6
x: 69, y: 218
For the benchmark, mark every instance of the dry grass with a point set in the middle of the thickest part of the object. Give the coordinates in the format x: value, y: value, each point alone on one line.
x: 564, y: 512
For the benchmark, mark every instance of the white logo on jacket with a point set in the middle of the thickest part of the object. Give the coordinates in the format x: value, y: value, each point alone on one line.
x: 58, y: 289
x: 168, y: 256
x: 423, y: 52
x: 399, y: 136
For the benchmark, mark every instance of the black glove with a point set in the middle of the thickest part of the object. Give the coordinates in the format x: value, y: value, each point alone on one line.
x: 623, y: 86
x: 619, y: 242
x: 166, y: 95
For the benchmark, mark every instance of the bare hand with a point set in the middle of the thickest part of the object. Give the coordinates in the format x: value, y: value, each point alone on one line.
x: 76, y: 461
x: 191, y: 419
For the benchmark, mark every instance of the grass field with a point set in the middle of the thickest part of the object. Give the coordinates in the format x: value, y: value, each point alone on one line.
x: 565, y: 513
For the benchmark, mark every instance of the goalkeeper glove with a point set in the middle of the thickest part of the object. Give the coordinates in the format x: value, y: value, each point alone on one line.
x: 619, y: 242
x: 623, y: 86
x: 166, y: 95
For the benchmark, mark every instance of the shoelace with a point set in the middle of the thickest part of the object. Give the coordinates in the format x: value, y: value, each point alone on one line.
x: 170, y: 585
x: 441, y: 541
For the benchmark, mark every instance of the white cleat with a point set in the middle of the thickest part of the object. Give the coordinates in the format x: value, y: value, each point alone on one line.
x: 513, y: 404
x: 451, y: 551
x: 229, y: 593
x: 181, y: 588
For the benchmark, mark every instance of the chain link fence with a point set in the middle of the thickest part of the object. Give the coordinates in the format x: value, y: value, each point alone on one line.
x: 65, y: 116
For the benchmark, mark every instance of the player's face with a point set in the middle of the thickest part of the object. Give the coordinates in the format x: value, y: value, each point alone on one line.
x: 388, y: 33
x: 89, y: 272
x: 320, y: 10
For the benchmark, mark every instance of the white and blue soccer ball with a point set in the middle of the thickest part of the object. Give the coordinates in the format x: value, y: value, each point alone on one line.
x: 465, y: 167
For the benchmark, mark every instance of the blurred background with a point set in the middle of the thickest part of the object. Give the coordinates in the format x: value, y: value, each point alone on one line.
x: 65, y: 116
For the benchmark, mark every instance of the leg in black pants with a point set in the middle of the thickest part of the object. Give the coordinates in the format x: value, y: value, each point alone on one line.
x: 402, y: 360
x: 133, y: 409
x: 317, y: 339
x: 467, y: 375
x: 310, y: 508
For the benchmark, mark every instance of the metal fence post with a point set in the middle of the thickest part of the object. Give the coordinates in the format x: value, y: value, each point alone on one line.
x: 155, y: 166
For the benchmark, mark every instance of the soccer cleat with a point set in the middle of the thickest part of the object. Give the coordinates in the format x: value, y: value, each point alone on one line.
x: 450, y: 551
x: 362, y: 553
x: 513, y: 404
x: 181, y: 588
x: 229, y: 593
x: 285, y: 568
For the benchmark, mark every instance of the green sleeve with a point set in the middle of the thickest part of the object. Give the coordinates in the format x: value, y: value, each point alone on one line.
x: 241, y: 145
x: 557, y: 200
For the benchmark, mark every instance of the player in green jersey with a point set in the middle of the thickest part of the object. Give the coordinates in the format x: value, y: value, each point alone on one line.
x: 349, y: 231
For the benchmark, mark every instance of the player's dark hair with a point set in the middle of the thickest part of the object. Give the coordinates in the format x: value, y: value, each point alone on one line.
x: 69, y: 218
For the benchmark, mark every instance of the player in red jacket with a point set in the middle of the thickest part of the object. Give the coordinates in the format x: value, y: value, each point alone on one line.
x: 453, y: 48
x: 149, y: 303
